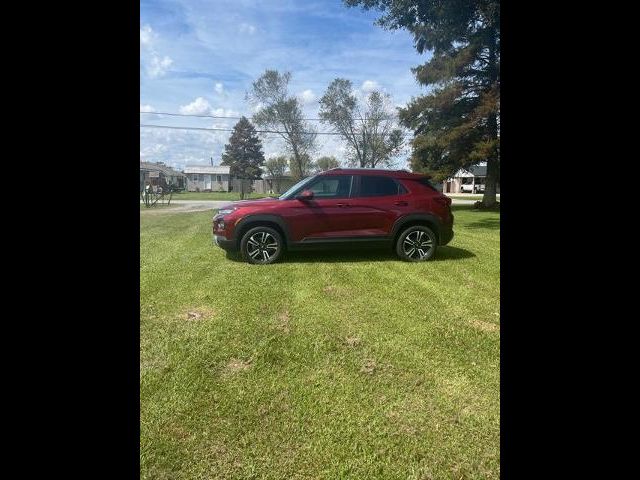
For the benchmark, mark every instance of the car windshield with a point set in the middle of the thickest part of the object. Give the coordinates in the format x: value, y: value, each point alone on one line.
x: 292, y: 191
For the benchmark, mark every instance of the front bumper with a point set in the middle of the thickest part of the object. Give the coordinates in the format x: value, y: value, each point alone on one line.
x: 220, y: 235
x: 223, y: 243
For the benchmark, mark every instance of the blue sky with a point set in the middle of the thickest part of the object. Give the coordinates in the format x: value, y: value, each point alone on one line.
x: 201, y: 56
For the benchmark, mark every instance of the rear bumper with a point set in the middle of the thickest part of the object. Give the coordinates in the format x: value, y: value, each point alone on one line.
x: 446, y: 230
x: 446, y: 235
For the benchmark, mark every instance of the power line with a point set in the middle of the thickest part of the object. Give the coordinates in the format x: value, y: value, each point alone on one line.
x: 231, y: 130
x: 224, y: 116
x: 190, y: 115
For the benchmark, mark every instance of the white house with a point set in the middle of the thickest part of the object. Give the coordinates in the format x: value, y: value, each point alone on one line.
x: 467, y: 181
x: 207, y: 178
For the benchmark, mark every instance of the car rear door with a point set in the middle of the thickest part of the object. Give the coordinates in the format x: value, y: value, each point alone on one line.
x: 377, y: 202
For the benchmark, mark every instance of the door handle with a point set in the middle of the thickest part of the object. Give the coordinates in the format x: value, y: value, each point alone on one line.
x: 342, y: 205
x: 401, y: 203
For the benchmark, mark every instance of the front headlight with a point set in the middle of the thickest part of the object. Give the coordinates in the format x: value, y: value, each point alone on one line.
x: 226, y: 211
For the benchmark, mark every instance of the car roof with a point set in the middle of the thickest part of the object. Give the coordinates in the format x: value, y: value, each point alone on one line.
x: 375, y: 171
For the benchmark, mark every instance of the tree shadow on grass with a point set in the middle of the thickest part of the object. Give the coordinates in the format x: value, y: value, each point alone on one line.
x: 351, y: 255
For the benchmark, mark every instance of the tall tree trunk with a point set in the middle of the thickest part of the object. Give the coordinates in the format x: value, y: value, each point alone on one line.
x: 493, y: 165
x: 297, y: 158
x: 491, y: 181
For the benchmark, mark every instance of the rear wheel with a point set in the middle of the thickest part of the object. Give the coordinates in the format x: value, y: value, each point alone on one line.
x: 261, y: 245
x: 416, y: 244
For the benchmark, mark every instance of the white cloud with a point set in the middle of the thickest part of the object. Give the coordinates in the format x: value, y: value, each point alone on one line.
x: 147, y: 108
x: 148, y: 152
x: 247, y: 28
x: 147, y: 36
x: 199, y: 106
x: 370, y: 85
x: 224, y: 122
x: 156, y: 64
x: 219, y: 88
x: 178, y: 147
x: 307, y: 97
x: 159, y: 66
x: 225, y: 112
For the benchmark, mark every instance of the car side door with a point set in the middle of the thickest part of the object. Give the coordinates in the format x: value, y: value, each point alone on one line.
x: 377, y: 202
x: 326, y: 215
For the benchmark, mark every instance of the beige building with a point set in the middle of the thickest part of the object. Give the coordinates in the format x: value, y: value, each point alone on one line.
x: 207, y: 178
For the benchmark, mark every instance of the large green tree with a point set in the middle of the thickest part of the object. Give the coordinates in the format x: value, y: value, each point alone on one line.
x: 326, y: 163
x: 280, y: 111
x: 276, y: 168
x: 366, y: 125
x: 244, y: 153
x: 300, y: 166
x: 457, y: 124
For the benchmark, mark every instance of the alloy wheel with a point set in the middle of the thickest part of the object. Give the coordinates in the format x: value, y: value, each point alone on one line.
x: 417, y: 245
x: 261, y: 246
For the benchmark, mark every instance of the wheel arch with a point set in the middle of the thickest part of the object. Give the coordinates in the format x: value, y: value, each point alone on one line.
x: 412, y: 220
x: 251, y: 221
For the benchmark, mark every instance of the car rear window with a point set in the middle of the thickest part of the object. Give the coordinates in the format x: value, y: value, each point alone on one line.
x: 425, y: 181
x: 374, y: 186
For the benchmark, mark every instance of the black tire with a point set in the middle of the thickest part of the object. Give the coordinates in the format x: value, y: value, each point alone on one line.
x: 261, y: 245
x: 408, y: 252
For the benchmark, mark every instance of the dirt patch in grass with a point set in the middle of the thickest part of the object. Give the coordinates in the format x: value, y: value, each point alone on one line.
x: 178, y: 432
x: 158, y: 365
x: 198, y: 314
x: 237, y: 365
x: 334, y: 291
x: 352, y: 342
x: 485, y: 326
x: 369, y: 366
x: 283, y: 321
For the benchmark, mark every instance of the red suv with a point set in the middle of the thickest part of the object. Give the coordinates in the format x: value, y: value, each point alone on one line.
x: 337, y: 207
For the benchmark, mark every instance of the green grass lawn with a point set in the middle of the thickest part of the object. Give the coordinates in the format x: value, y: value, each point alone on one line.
x: 214, y: 196
x: 324, y: 365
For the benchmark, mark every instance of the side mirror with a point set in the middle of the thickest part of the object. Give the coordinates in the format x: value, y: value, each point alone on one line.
x: 305, y: 195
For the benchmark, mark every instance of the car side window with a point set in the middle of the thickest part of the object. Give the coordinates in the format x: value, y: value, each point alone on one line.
x: 331, y: 186
x: 374, y: 186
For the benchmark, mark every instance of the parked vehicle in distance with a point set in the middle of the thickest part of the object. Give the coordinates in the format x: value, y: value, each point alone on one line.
x: 468, y: 186
x: 367, y: 207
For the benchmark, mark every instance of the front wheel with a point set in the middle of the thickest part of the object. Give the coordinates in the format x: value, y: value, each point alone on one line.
x: 261, y: 245
x: 416, y: 244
